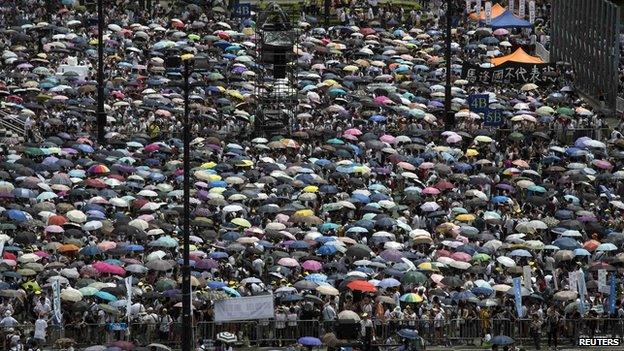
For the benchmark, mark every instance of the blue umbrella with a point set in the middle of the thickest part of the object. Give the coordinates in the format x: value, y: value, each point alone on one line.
x: 316, y: 278
x: 463, y: 296
x: 408, y: 334
x: 501, y: 340
x: 90, y: 250
x: 389, y: 283
x: 482, y: 291
x: 216, y: 285
x: 300, y: 244
x: 105, y: 296
x: 17, y: 215
x: 219, y: 254
x: 499, y: 199
x: 377, y: 118
x: 581, y: 252
x: 566, y: 243
x: 230, y: 291
x: 309, y: 341
x: 520, y: 253
x: 326, y: 250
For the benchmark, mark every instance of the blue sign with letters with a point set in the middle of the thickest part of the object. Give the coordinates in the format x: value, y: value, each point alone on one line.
x: 493, y: 118
x: 241, y: 10
x: 478, y: 103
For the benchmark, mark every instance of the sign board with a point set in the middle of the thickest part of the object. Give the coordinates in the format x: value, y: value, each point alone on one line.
x: 478, y: 103
x: 81, y: 71
x: 241, y: 10
x: 493, y: 118
x: 511, y: 72
x: 244, y: 308
x: 532, y: 11
x: 488, y: 12
x: 521, y: 8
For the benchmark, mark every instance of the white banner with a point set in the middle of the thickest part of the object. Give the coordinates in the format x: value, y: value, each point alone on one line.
x: 526, y: 271
x: 244, y: 308
x: 1, y: 248
x: 532, y: 11
x: 602, y: 281
x: 468, y: 3
x: 512, y: 6
x: 580, y: 278
x: 478, y: 9
x: 128, y: 282
x: 488, y: 12
x: 572, y: 280
x: 521, y: 8
x: 56, y: 302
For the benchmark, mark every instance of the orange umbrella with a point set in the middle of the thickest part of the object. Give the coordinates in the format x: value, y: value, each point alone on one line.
x: 68, y: 248
x: 57, y: 220
x: 591, y: 245
x: 361, y: 285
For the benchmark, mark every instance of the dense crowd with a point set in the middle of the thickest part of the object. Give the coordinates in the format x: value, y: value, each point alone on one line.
x: 372, y: 212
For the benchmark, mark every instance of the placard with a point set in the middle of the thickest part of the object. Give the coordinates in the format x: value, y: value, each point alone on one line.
x: 244, y: 308
x: 521, y: 8
x: 532, y: 11
x: 511, y: 72
x: 478, y: 103
x: 241, y: 10
x: 493, y: 118
x: 488, y: 12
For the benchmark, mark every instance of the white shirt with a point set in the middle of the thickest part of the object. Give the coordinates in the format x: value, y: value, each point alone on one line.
x: 41, y: 325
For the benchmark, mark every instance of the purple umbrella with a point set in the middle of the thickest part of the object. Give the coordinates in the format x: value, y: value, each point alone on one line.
x: 309, y: 341
x: 206, y: 264
x: 391, y: 255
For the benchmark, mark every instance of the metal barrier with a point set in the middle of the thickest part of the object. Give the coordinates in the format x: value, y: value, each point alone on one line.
x: 269, y: 333
x: 541, y: 51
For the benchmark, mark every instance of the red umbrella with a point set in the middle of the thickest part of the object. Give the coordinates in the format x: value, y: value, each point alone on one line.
x: 444, y: 185
x: 104, y: 267
x: 362, y: 285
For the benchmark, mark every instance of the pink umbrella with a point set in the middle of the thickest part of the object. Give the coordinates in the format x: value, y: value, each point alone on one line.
x: 312, y: 265
x: 430, y: 191
x: 42, y: 254
x: 406, y: 166
x: 501, y: 31
x: 349, y: 137
x: 452, y: 139
x: 442, y: 253
x: 382, y: 100
x: 461, y: 256
x: 602, y: 164
x: 54, y: 229
x: 388, y: 139
x: 426, y: 165
x: 151, y: 147
x: 104, y: 267
x: 437, y: 278
x: 288, y: 262
x: 353, y: 131
x: 107, y: 245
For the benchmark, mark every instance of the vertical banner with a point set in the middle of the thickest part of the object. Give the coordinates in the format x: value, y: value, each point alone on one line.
x: 128, y: 282
x: 521, y: 8
x: 612, y: 295
x: 512, y: 6
x: 517, y: 286
x: 1, y: 247
x: 572, y: 281
x: 478, y: 9
x: 582, y: 291
x: 56, y: 302
x: 532, y: 11
x: 468, y: 3
x: 526, y: 272
x: 602, y: 281
x: 555, y: 280
x: 488, y: 12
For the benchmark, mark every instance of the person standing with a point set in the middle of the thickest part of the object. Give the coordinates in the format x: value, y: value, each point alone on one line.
x: 41, y: 328
x: 367, y: 331
x: 552, y: 318
x: 535, y: 327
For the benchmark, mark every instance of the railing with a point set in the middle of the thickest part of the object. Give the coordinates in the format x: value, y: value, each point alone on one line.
x: 13, y: 124
x: 256, y: 333
x: 541, y: 51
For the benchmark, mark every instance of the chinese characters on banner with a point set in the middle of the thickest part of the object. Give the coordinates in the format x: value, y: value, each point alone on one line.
x: 512, y: 6
x: 468, y: 2
x: 532, y: 11
x: 478, y: 8
x: 488, y: 12
x: 521, y: 8
x: 511, y: 72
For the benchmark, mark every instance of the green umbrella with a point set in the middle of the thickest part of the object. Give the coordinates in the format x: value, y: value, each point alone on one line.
x: 35, y: 151
x: 414, y: 277
x: 194, y: 37
x: 88, y: 291
x: 215, y: 76
x: 516, y: 136
x: 565, y: 111
x: 481, y: 257
x: 165, y: 284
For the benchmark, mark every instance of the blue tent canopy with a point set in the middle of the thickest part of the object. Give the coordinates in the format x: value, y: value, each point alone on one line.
x: 509, y: 20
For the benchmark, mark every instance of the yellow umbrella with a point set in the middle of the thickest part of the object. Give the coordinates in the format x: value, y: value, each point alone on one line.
x: 310, y: 189
x: 483, y: 139
x: 241, y: 222
x: 330, y: 83
x: 235, y: 94
x: 472, y: 152
x: 187, y: 57
x: 465, y: 217
x: 244, y: 163
x: 350, y: 68
x: 248, y: 31
x: 217, y: 190
x: 304, y: 213
x: 208, y: 165
x: 205, y: 175
x: 427, y: 266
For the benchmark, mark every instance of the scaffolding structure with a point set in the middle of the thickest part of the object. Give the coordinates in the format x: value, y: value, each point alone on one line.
x: 275, y: 85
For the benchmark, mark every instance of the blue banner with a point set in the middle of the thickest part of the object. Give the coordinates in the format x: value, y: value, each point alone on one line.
x: 241, y: 10
x: 493, y: 118
x: 517, y: 286
x: 478, y: 103
x: 612, y: 295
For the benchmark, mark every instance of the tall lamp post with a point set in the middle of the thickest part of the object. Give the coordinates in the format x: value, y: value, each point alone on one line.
x: 188, y: 66
x: 449, y: 118
x: 100, y: 114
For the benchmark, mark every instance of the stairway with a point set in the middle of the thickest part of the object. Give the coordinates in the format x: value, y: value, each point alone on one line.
x: 12, y: 129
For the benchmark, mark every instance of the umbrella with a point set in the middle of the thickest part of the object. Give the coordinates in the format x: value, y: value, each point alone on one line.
x: 501, y: 340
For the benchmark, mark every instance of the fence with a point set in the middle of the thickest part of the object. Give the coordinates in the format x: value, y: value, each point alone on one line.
x: 256, y: 333
x: 541, y: 51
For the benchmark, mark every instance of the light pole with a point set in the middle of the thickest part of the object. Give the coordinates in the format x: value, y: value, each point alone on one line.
x: 100, y: 114
x: 449, y: 118
x: 188, y: 66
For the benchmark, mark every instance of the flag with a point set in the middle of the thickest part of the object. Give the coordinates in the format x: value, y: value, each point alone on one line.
x: 478, y: 8
x: 128, y: 282
x: 56, y: 302
x: 582, y: 289
x: 517, y: 285
x: 572, y: 281
x: 488, y: 12
x: 612, y: 295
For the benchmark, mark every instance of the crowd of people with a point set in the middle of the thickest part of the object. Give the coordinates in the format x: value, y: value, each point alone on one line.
x: 371, y: 212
